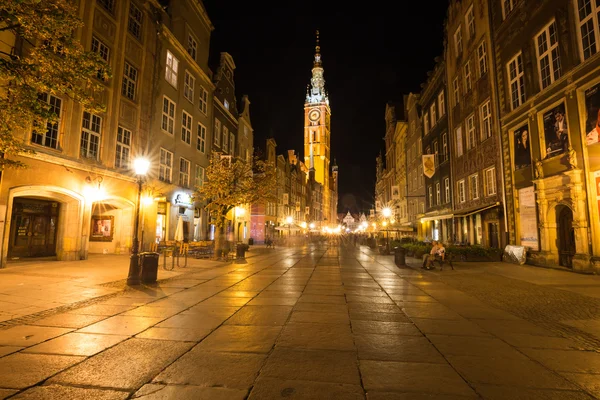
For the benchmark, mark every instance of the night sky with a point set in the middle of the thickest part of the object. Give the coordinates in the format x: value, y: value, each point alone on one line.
x: 371, y: 55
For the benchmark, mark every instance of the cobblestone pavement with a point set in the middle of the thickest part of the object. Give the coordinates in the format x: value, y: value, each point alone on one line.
x: 320, y: 322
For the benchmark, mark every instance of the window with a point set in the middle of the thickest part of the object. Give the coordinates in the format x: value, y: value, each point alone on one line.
x: 456, y: 91
x: 507, y: 7
x: 459, y: 144
x: 184, y: 172
x: 165, y: 166
x: 547, y: 54
x: 588, y: 27
x: 109, y: 5
x: 129, y: 81
x: 447, y: 190
x: 168, y: 115
x: 199, y: 176
x: 470, y: 128
x: 201, y: 139
x: 188, y: 86
x: 91, y: 129
x: 470, y: 22
x: 490, y: 181
x: 486, y: 120
x: 426, y: 123
x: 438, y: 194
x: 442, y: 103
x: 433, y: 114
x: 232, y: 144
x: 225, y: 138
x: 49, y: 138
x: 436, y: 153
x: 171, y: 69
x: 467, y: 71
x: 482, y: 57
x: 458, y: 41
x: 134, y: 25
x: 430, y: 193
x: 186, y: 127
x: 444, y: 147
x: 516, y: 79
x: 123, y: 148
x: 203, y: 104
x: 473, y: 187
x: 461, y: 191
x: 192, y: 47
x: 217, y: 134
x: 103, y: 51
x: 226, y: 104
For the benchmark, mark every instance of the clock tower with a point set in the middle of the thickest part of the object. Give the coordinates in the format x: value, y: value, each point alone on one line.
x: 317, y: 117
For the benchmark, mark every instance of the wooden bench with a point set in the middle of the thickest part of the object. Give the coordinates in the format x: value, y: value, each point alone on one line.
x: 447, y: 260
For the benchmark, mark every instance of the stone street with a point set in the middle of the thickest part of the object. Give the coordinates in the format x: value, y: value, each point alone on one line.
x: 317, y: 322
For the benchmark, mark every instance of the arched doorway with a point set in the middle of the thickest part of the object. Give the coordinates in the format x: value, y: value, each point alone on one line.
x: 565, y: 236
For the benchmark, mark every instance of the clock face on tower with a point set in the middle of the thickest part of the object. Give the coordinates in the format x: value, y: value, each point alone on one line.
x: 314, y: 115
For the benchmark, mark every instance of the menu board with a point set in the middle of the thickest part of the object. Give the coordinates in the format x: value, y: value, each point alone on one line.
x: 528, y: 219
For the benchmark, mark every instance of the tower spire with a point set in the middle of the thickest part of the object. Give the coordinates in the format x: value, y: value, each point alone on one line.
x: 317, y: 62
x: 317, y: 93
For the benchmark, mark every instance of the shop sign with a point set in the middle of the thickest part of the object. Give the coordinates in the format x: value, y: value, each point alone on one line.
x: 528, y: 219
x: 183, y: 199
x: 161, y: 208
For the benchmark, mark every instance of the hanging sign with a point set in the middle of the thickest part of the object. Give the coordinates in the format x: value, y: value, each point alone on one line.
x: 183, y: 199
x: 429, y: 165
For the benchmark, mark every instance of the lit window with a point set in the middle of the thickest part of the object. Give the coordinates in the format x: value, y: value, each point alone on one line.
x: 165, y: 166
x: 461, y: 191
x: 103, y: 51
x: 589, y: 32
x: 470, y: 20
x: 486, y: 120
x: 490, y: 181
x: 226, y: 104
x: 459, y: 143
x: 444, y: 147
x: 217, y: 133
x: 134, y: 24
x: 430, y: 192
x: 438, y: 194
x: 446, y: 190
x: 171, y: 69
x: 129, y: 81
x: 184, y: 172
x: 548, y: 55
x: 203, y: 104
x: 473, y: 187
x: 468, y: 83
x: 188, y: 86
x: 123, y: 148
x: 192, y: 46
x: 201, y: 139
x: 470, y: 128
x: 436, y: 157
x: 186, y: 127
x: 442, y: 103
x: 456, y: 91
x: 199, y: 176
x: 516, y: 79
x: 482, y: 57
x: 91, y: 129
x: 168, y: 115
x: 433, y: 114
x: 458, y: 41
x: 49, y: 138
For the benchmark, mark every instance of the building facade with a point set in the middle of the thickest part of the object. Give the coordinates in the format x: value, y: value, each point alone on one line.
x: 415, y: 180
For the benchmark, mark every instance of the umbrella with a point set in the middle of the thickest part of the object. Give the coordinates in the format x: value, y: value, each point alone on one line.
x: 179, y: 230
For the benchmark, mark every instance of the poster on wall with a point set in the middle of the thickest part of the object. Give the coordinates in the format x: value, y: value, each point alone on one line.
x: 522, y: 147
x: 528, y: 219
x: 102, y: 228
x: 556, y: 132
x: 395, y: 192
x: 592, y: 120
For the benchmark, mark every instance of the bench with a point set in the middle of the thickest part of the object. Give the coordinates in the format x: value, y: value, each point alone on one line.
x: 446, y: 260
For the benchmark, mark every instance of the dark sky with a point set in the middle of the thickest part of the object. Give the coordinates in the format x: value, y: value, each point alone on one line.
x: 372, y: 53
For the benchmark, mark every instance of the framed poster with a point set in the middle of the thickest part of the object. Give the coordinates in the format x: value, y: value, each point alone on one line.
x: 528, y: 219
x: 102, y: 229
x: 395, y: 192
x: 556, y: 132
x: 522, y: 147
x: 592, y: 109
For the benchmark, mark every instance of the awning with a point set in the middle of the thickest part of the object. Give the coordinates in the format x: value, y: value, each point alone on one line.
x: 436, y: 217
x: 476, y: 210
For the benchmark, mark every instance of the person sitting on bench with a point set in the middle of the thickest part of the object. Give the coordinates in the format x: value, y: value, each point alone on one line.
x: 428, y: 258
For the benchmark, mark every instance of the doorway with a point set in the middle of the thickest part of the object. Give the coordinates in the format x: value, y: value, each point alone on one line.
x: 566, y: 236
x: 493, y: 234
x: 33, y: 228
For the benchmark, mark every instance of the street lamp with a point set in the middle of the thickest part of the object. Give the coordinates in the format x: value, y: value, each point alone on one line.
x: 140, y: 166
x: 387, y: 213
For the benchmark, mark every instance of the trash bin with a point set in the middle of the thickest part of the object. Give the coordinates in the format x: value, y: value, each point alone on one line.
x: 149, y: 263
x: 399, y: 256
x: 241, y: 250
x: 250, y: 241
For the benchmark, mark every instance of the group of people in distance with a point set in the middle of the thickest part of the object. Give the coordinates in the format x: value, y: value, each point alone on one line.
x: 437, y: 251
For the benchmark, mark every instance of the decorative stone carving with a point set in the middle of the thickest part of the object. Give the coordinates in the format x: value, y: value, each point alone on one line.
x: 539, y: 169
x: 572, y: 158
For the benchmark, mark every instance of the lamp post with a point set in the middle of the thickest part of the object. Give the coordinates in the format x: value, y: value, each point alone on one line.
x: 140, y: 166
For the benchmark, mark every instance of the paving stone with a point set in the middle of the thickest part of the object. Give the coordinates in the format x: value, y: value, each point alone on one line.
x: 20, y: 370
x: 501, y: 328
x: 449, y: 327
x: 164, y: 392
x: 309, y: 365
x: 212, y: 310
x: 236, y: 338
x: 58, y: 392
x: 272, y: 301
x: 396, y: 348
x: 6, y: 393
x: 320, y: 307
x: 375, y: 395
x: 6, y: 350
x: 66, y: 320
x: 269, y: 388
x: 393, y: 376
x: 261, y: 315
x: 121, y: 325
x: 589, y: 382
x: 373, y: 316
x: 237, y: 293
x: 494, y: 392
x: 374, y: 308
x: 192, y: 321
x: 226, y: 301
x: 474, y: 346
x: 368, y: 299
x: 587, y: 362
x: 126, y: 366
x: 524, y: 340
x: 178, y: 334
x: 417, y: 298
x: 28, y: 335
x: 213, y: 369
x: 429, y: 310
x: 385, y: 328
x: 507, y: 372
x: 320, y: 317
x: 77, y: 344
x: 317, y: 336
x: 99, y: 309
x: 313, y: 298
x: 153, y: 312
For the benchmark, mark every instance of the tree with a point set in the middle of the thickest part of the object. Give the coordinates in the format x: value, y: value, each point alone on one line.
x: 232, y: 182
x: 46, y: 59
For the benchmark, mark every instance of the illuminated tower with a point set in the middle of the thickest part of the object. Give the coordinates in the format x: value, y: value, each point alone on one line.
x: 317, y: 117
